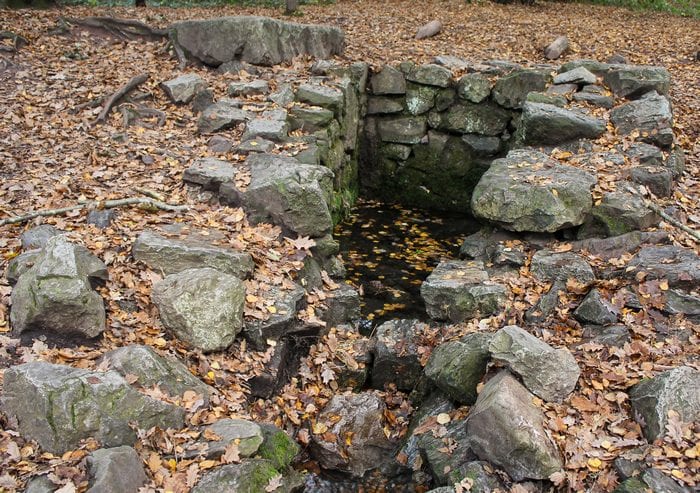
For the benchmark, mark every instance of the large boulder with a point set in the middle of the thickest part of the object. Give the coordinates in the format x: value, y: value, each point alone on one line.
x: 633, y: 81
x: 55, y: 295
x: 257, y: 40
x: 58, y: 406
x: 651, y: 116
x: 203, y: 307
x: 547, y: 372
x: 170, y: 256
x: 675, y: 390
x: 529, y: 191
x: 506, y: 429
x: 459, y: 290
x: 547, y: 124
x: 116, y: 470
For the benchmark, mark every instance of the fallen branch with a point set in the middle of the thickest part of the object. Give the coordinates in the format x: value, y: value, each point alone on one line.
x: 150, y: 193
x: 107, y: 204
x: 128, y: 29
x: 671, y: 220
x: 117, y: 96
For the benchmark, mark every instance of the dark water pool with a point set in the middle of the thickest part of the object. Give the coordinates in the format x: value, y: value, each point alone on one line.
x: 389, y: 250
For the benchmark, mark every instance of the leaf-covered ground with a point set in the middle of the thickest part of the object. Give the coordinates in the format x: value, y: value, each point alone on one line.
x: 52, y: 157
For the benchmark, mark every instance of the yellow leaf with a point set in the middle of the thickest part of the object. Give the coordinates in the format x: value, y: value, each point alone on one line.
x: 677, y: 474
x: 319, y: 428
x: 554, y: 192
x: 443, y: 418
x: 208, y: 464
x: 211, y: 375
x: 594, y: 463
x: 272, y: 309
x: 606, y: 444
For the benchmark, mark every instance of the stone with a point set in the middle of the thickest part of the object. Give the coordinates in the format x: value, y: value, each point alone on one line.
x: 645, y: 154
x: 658, y: 179
x: 116, y: 470
x: 594, y: 309
x: 483, y: 145
x: 529, y: 191
x: 353, y: 359
x: 459, y: 290
x: 676, y: 161
x: 546, y: 124
x: 286, y: 305
x: 680, y: 267
x: 661, y: 483
x: 246, y: 89
x: 452, y: 62
x: 550, y: 97
x: 202, y: 307
x: 396, y: 354
x: 41, y: 484
x: 580, y: 76
x: 397, y: 152
x: 457, y: 367
x: 547, y: 265
x: 220, y: 116
x: 168, y: 373
x: 678, y: 301
x: 633, y: 81
x: 613, y: 335
x: 94, y: 268
x: 276, y: 371
x: 236, y: 67
x: 256, y: 144
x: 430, y: 75
x: 594, y: 99
x: 388, y: 81
x: 309, y: 119
x: 181, y: 89
x: 510, y: 91
x: 623, y: 212
x: 210, y: 173
x: 101, y: 218
x: 675, y: 390
x: 474, y: 88
x: 171, y: 256
x: 402, y: 129
x: 382, y: 105
x: 257, y: 40
x: 284, y: 96
x: 55, y: 295
x: 324, y: 96
x: 547, y: 372
x: 277, y: 447
x: 218, y: 436
x: 262, y: 128
x: 446, y: 466
x: 38, y: 236
x: 651, y: 116
x: 343, y: 306
x: 296, y: 196
x: 58, y: 406
x: 594, y: 66
x: 219, y: 144
x: 522, y: 451
x: 419, y: 98
x: 202, y: 100
x: 607, y: 248
x: 546, y: 304
x: 250, y: 476
x: 470, y: 118
x: 360, y: 416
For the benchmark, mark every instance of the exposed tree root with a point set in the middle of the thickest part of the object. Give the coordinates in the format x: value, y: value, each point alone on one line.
x: 125, y: 29
x: 117, y: 96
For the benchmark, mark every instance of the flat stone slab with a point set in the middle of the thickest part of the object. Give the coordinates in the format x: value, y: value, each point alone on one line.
x: 546, y: 124
x: 679, y: 266
x: 182, y: 89
x: 210, y: 173
x: 220, y: 116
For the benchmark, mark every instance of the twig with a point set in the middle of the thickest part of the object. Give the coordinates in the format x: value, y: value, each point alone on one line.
x: 107, y: 204
x: 120, y: 28
x: 671, y: 220
x: 150, y: 193
x: 121, y: 92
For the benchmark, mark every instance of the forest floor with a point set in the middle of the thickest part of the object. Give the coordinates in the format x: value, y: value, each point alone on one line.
x: 52, y: 156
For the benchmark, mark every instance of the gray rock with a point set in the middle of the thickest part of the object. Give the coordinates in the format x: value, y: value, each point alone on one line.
x: 168, y: 373
x: 426, y: 413
x: 245, y: 89
x: 633, y: 81
x: 546, y: 124
x: 470, y: 118
x: 93, y: 267
x: 219, y: 144
x: 594, y: 66
x: 324, y: 96
x: 459, y: 290
x: 274, y: 130
x: 403, y: 129
x: 202, y: 307
x: 529, y: 191
x: 276, y: 370
x: 457, y: 367
x: 220, y: 116
x: 613, y: 335
x: 37, y: 236
x: 645, y: 154
x: 362, y: 416
x: 419, y: 98
x: 202, y: 100
x: 236, y: 67
x: 523, y: 451
x: 594, y: 99
x: 607, y: 248
x: 116, y: 470
x: 658, y: 179
x: 674, y: 390
x: 622, y: 212
x: 277, y: 447
x: 651, y: 116
x: 679, y: 266
x: 284, y: 95
x: 678, y: 301
x: 256, y: 144
x: 474, y: 87
x: 550, y: 97
x: 676, y: 161
x: 216, y: 438
x: 291, y: 194
x: 287, y: 303
x: 170, y: 256
x: 41, y: 484
x: 594, y: 309
x: 510, y: 91
x: 558, y: 90
x: 452, y: 62
x: 446, y: 466
x: 396, y: 354
x: 547, y: 372
x: 55, y: 296
x: 101, y: 218
x: 483, y: 145
x: 388, y: 81
x: 546, y: 304
x: 342, y: 307
x: 210, y: 173
x: 250, y: 476
x: 397, y: 152
x: 661, y: 483
x: 382, y: 105
x: 580, y: 76
x: 181, y: 89
x: 258, y: 40
x: 309, y: 119
x: 547, y: 265
x: 430, y: 75
x: 58, y: 406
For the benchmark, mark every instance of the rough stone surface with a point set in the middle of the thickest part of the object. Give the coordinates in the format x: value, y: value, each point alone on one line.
x: 402, y: 129
x: 546, y: 124
x: 396, y: 354
x: 210, y: 173
x: 457, y: 367
x: 470, y: 118
x: 58, y: 406
x: 215, y: 438
x: 263, y: 128
x: 388, y: 81
x: 594, y: 309
x: 459, y: 290
x: 361, y: 415
x: 547, y: 265
x: 170, y: 256
x: 93, y: 267
x: 310, y: 119
x: 674, y: 390
x: 219, y: 144
x: 181, y: 89
x: 420, y: 99
x: 250, y: 476
x: 633, y: 81
x: 116, y: 470
x: 203, y: 307
x: 622, y: 212
x: 523, y: 451
x: 55, y: 296
x: 324, y: 96
x: 286, y: 304
x: 37, y: 236
x: 257, y: 40
x: 251, y: 88
x: 277, y: 447
x: 256, y: 144
x: 547, y: 372
x: 430, y: 75
x: 342, y: 307
x: 474, y: 87
x: 651, y: 116
x: 679, y: 266
x: 382, y: 105
x: 594, y: 99
x: 220, y: 116
x: 446, y: 467
x: 510, y: 91
x: 101, y: 218
x: 658, y: 179
x: 529, y: 191
x: 579, y: 76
